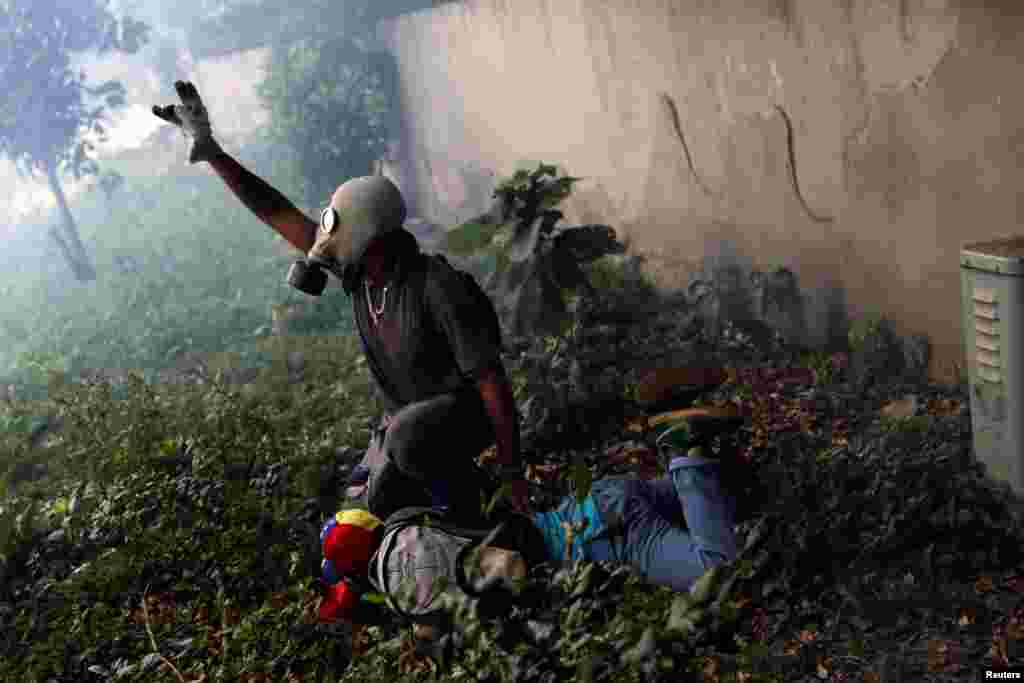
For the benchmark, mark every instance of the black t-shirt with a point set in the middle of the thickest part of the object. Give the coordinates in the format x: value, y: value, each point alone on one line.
x: 432, y: 337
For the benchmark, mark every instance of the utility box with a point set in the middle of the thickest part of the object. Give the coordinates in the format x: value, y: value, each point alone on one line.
x: 992, y: 295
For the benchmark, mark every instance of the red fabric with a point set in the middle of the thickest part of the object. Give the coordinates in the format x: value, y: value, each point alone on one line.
x: 350, y: 548
x: 340, y: 602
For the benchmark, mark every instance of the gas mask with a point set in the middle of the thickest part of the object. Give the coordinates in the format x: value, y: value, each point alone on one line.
x: 361, y: 210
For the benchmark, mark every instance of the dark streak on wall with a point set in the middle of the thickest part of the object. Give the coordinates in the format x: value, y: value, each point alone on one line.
x: 792, y: 169
x: 673, y: 116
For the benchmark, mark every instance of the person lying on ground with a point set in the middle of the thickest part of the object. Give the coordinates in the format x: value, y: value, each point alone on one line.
x: 436, y: 365
x: 671, y: 530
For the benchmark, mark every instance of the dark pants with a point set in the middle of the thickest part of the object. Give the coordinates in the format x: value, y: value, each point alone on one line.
x: 424, y: 456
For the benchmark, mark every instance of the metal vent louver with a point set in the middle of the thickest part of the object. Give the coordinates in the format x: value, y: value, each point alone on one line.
x: 986, y: 335
x: 992, y: 287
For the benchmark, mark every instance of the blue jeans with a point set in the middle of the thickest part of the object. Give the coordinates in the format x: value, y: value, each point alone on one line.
x: 673, y: 529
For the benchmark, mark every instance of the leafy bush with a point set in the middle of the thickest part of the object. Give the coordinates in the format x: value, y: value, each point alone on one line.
x: 822, y: 364
x: 208, y: 566
x: 533, y: 267
x: 183, y: 527
x: 862, y: 329
x: 608, y: 273
x: 471, y: 237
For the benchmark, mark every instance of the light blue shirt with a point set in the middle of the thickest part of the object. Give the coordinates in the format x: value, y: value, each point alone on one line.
x: 550, y: 525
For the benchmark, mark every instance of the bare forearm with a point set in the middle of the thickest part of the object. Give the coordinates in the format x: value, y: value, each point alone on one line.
x: 501, y: 408
x: 269, y: 205
x: 503, y: 565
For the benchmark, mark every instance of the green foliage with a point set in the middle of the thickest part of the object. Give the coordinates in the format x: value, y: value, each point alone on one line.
x: 726, y: 297
x: 470, y: 237
x: 17, y: 525
x: 527, y: 193
x: 329, y: 103
x: 40, y: 364
x: 535, y: 266
x: 917, y: 424
x: 862, y: 329
x: 822, y: 364
x: 744, y: 392
x: 18, y: 424
x: 222, y: 549
x: 114, y: 444
x: 608, y: 273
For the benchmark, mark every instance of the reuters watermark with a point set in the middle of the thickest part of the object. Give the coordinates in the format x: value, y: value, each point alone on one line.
x: 1015, y: 674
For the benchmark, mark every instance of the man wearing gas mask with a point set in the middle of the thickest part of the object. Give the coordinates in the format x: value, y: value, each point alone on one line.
x: 437, y: 366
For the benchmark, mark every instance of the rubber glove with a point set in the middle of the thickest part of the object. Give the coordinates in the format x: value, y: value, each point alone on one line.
x: 193, y: 118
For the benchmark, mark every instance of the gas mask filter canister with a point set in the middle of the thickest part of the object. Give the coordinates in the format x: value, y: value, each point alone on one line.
x: 308, y: 278
x: 306, y: 275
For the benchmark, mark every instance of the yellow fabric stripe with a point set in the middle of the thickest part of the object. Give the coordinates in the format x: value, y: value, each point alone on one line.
x: 359, y: 518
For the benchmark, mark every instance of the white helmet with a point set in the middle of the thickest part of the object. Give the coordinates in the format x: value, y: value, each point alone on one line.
x: 361, y: 210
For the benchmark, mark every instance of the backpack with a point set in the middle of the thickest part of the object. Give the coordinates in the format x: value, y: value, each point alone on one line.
x: 483, y: 301
x: 509, y: 531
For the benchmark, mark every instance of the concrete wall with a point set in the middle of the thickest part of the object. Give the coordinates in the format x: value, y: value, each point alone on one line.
x: 859, y: 142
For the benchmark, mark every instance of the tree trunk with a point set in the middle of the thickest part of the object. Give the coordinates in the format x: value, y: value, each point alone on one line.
x: 69, y: 243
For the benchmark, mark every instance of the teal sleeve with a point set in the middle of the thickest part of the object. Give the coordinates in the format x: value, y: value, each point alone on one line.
x: 550, y: 525
x: 551, y: 529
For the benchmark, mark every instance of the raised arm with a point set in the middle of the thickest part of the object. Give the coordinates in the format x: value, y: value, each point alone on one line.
x: 269, y: 205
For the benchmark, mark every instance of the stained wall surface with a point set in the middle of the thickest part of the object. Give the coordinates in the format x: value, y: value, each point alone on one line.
x: 858, y: 142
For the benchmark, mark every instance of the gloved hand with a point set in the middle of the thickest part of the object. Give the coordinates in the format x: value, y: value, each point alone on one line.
x: 193, y: 118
